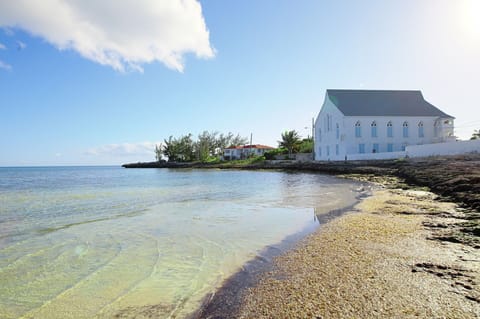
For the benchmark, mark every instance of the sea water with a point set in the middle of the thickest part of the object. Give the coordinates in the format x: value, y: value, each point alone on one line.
x: 85, y: 242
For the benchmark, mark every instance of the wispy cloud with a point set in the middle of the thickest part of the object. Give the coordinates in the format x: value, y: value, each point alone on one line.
x: 124, y: 35
x: 2, y: 47
x: 21, y: 45
x: 8, y: 32
x: 124, y: 149
x: 5, y: 66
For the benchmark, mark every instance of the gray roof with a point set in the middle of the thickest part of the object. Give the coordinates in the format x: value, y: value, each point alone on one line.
x: 383, y: 103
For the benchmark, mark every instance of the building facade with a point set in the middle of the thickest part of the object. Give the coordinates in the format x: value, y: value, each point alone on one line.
x: 377, y: 124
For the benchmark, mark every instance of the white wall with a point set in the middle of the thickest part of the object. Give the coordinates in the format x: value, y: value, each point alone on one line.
x: 376, y: 156
x: 327, y: 136
x: 453, y: 148
x: 382, y: 139
x: 425, y: 150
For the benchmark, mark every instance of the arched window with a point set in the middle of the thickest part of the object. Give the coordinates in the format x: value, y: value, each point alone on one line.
x: 420, y: 130
x: 436, y: 128
x: 338, y: 131
x: 319, y: 134
x: 389, y: 129
x: 358, y: 129
x: 329, y: 122
x: 374, y: 129
x: 405, y: 129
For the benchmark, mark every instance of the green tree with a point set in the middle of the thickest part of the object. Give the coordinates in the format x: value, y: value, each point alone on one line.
x: 238, y: 140
x: 186, y: 148
x: 306, y: 145
x: 290, y: 141
x: 170, y: 149
x: 158, y: 152
x: 475, y: 135
x: 206, y: 145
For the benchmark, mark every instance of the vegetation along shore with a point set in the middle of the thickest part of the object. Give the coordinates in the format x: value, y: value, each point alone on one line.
x: 410, y: 250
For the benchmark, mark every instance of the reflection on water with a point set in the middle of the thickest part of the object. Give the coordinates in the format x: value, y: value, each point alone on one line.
x: 101, y: 242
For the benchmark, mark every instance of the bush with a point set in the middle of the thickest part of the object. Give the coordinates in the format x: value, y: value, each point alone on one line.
x: 270, y: 155
x: 306, y: 146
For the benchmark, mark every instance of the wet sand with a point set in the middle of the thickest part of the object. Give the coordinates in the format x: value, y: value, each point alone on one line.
x: 382, y: 261
x: 386, y: 258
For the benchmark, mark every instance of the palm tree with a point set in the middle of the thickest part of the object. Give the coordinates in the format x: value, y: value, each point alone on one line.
x: 475, y: 135
x: 290, y: 141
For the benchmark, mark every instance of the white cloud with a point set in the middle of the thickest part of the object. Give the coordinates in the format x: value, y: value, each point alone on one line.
x: 5, y: 66
x: 121, y: 34
x: 21, y: 45
x: 2, y: 47
x: 124, y: 149
x: 8, y: 32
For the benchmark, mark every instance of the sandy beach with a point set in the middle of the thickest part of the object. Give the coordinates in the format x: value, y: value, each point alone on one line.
x: 381, y: 261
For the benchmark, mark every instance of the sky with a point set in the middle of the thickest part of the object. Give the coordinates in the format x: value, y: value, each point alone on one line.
x: 86, y: 82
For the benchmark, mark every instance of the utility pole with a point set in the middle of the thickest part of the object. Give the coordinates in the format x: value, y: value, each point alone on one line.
x: 313, y: 138
x: 251, y: 146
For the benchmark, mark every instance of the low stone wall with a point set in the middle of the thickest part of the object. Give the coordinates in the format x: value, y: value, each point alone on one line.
x: 301, y: 157
x: 304, y: 157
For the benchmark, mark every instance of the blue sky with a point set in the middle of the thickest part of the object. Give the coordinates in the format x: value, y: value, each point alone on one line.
x: 257, y: 67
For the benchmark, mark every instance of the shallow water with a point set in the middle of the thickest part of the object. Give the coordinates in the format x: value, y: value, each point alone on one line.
x: 89, y: 242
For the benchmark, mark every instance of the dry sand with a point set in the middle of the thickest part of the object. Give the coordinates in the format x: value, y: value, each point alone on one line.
x: 382, y: 260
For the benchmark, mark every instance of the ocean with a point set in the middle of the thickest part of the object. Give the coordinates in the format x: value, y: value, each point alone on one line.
x: 85, y: 242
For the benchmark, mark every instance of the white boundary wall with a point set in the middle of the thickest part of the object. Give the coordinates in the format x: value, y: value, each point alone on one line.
x: 376, y: 156
x: 452, y: 148
x: 424, y: 150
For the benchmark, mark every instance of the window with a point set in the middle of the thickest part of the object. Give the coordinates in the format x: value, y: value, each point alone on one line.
x: 420, y: 130
x: 374, y: 129
x: 337, y: 149
x: 338, y: 131
x: 389, y: 147
x: 320, y: 151
x: 404, y: 146
x: 329, y: 122
x: 375, y: 148
x: 319, y: 134
x: 358, y: 129
x: 361, y: 148
x: 405, y: 129
x: 389, y: 129
x: 328, y: 150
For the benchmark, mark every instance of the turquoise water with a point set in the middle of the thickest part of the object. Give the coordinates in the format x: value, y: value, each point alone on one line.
x: 83, y: 242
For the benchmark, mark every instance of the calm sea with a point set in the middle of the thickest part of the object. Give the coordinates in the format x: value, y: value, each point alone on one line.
x: 83, y: 242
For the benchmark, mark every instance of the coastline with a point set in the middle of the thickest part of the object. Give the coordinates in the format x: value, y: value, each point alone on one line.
x: 455, y: 178
x: 227, y: 300
x: 384, y: 258
x: 403, y: 252
x: 410, y: 250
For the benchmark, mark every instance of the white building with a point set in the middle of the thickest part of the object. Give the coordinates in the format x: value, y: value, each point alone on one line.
x: 364, y: 124
x: 244, y: 151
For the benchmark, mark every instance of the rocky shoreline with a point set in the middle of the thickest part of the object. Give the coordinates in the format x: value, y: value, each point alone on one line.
x: 454, y: 178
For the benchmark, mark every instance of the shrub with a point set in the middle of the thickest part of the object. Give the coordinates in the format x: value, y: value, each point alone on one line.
x: 270, y: 155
